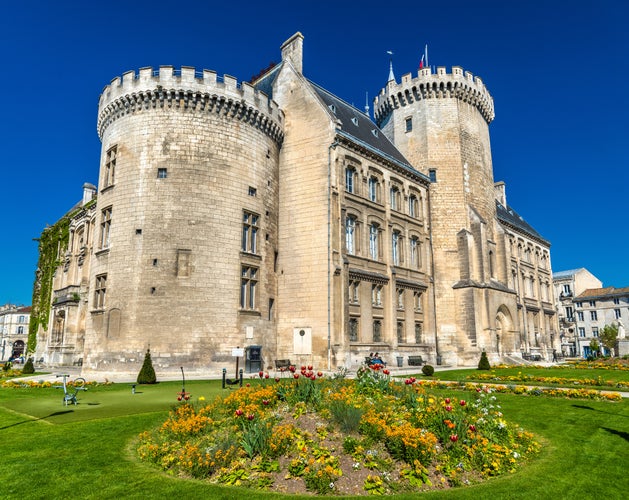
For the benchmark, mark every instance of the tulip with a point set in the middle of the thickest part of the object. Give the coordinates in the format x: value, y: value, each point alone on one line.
x: 296, y: 375
x: 448, y: 408
x: 454, y: 438
x: 309, y: 367
x: 319, y: 374
x: 447, y: 401
x: 277, y: 379
x: 239, y: 412
x: 251, y: 416
x: 261, y: 374
x: 462, y: 402
x: 472, y: 427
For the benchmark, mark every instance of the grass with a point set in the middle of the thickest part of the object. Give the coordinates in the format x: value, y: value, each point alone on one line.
x: 51, y: 451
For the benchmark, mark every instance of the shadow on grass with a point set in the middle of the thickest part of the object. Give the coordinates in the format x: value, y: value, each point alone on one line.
x: 55, y: 414
x: 584, y: 407
x: 622, y: 434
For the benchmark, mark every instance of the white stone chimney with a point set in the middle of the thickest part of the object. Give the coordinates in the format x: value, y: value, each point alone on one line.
x: 292, y: 51
x: 500, y: 193
x: 89, y: 191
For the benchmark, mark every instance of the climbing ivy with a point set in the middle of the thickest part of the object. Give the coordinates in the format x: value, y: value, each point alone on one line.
x: 52, y: 244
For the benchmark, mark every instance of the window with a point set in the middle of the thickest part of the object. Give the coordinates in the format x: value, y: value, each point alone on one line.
x: 350, y: 234
x: 20, y: 330
x: 110, y: 167
x: 593, y: 315
x: 432, y: 174
x: 415, y: 254
x: 616, y: 301
x: 353, y: 329
x: 617, y: 313
x: 354, y: 292
x: 492, y: 266
x: 579, y: 305
x: 400, y: 332
x: 595, y: 331
x: 22, y: 319
x: 100, y: 290
x: 569, y: 313
x: 395, y: 247
x: 581, y: 331
x: 592, y: 303
x: 413, y: 206
x: 350, y: 180
x: 376, y: 295
x: 374, y: 241
x: 183, y: 263
x: 162, y: 173
x: 374, y: 189
x: 418, y: 333
x: 248, y: 286
x: 395, y: 198
x: 580, y: 315
x: 377, y: 330
x: 250, y: 232
x: 252, y: 191
x: 417, y: 300
x: 409, y: 124
x: 105, y: 227
x: 400, y: 298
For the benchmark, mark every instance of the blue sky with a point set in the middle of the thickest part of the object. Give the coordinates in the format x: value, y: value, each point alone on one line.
x: 558, y: 72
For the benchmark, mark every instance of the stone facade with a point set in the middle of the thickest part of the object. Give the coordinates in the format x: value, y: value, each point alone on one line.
x: 14, y: 322
x: 274, y: 214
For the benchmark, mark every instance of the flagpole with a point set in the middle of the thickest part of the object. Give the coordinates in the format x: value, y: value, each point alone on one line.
x: 426, y: 54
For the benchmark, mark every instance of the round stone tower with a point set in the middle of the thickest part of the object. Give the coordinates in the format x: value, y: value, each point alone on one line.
x: 185, y: 240
x: 440, y: 122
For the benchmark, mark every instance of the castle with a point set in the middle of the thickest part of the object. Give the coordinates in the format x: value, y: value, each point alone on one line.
x: 275, y: 217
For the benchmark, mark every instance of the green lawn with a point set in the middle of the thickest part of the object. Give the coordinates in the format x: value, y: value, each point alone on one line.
x: 51, y: 451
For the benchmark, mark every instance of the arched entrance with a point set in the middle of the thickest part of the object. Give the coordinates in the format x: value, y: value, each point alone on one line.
x: 18, y: 349
x: 504, y: 330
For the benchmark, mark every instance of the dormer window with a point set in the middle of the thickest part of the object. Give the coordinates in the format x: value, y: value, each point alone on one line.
x: 355, y: 121
x: 374, y: 132
x: 332, y: 108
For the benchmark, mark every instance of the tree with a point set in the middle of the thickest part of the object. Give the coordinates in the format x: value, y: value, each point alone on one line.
x: 28, y: 367
x: 608, y: 336
x: 147, y: 373
x: 594, y: 346
x: 483, y: 364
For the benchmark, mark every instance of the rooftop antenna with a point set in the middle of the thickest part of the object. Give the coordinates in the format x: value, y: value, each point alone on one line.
x: 367, y: 103
x: 391, y: 75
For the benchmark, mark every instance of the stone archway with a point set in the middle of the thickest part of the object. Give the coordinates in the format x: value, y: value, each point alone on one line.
x: 504, y: 330
x: 18, y: 349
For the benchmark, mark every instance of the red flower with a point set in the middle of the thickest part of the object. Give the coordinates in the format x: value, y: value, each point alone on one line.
x: 266, y: 375
x: 385, y: 371
x: 309, y: 367
x: 292, y: 368
x: 178, y: 398
x: 447, y: 401
x: 303, y: 368
x: 277, y: 379
x: 265, y: 402
x: 251, y: 416
x: 454, y: 438
x: 313, y: 377
x: 319, y: 374
x: 462, y: 402
x: 448, y: 408
x: 239, y: 412
x: 296, y: 375
x: 472, y: 427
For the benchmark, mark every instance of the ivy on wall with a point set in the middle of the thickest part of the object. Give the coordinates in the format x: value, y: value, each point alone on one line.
x: 53, y: 242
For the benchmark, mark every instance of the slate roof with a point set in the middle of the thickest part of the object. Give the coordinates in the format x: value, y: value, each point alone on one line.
x: 512, y: 218
x: 567, y: 274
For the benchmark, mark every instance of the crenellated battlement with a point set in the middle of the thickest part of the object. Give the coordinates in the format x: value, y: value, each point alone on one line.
x: 190, y: 89
x: 459, y: 84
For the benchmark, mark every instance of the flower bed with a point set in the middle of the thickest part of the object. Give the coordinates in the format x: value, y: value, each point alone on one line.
x: 369, y: 435
x: 560, y: 381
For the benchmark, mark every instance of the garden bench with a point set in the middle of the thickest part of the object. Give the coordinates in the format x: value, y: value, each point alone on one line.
x: 415, y: 361
x: 78, y: 362
x: 282, y: 364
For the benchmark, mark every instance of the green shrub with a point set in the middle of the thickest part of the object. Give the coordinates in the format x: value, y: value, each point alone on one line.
x: 28, y: 367
x: 483, y: 364
x: 428, y: 370
x: 147, y: 373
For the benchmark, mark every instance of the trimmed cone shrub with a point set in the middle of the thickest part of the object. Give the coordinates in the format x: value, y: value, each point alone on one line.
x: 147, y: 373
x: 428, y: 370
x: 28, y: 367
x: 483, y: 364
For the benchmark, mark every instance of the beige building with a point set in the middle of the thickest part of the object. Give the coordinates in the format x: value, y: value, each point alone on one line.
x: 274, y: 216
x: 14, y: 321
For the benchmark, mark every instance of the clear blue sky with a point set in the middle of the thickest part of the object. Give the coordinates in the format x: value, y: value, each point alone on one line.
x: 558, y: 71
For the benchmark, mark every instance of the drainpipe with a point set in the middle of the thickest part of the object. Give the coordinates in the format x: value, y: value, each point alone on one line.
x: 330, y: 148
x: 432, y: 268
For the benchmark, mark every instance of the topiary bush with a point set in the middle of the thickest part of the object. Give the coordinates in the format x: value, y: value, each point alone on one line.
x: 147, y: 372
x: 28, y: 367
x: 483, y: 364
x: 428, y: 370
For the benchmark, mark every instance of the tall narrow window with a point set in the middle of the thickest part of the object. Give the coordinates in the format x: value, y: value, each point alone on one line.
x: 415, y: 256
x: 417, y: 300
x: 593, y: 315
x: 373, y: 188
x: 376, y: 295
x: 374, y: 243
x: 418, y: 333
x: 395, y: 248
x: 353, y: 329
x: 350, y: 180
x: 400, y: 298
x: 413, y: 206
x: 395, y: 198
x: 377, y: 330
x: 110, y: 167
x: 250, y: 232
x: 162, y: 173
x: 350, y: 234
x: 400, y: 332
x: 617, y: 313
x: 432, y: 174
x: 354, y: 292
x: 100, y: 289
x: 248, y: 287
x: 105, y: 227
x: 408, y: 124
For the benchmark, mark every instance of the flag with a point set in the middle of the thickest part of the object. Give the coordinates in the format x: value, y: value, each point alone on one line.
x: 421, y: 63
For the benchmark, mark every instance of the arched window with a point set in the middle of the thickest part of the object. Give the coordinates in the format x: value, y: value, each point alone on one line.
x: 350, y: 234
x: 374, y: 241
x: 351, y: 183
x: 374, y: 189
x: 413, y: 206
x: 395, y: 247
x: 415, y: 252
x: 395, y: 198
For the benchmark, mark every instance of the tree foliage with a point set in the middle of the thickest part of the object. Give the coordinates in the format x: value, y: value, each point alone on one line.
x: 483, y: 364
x: 147, y: 372
x: 608, y: 336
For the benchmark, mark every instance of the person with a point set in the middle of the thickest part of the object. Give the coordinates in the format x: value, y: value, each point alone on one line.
x: 554, y: 355
x: 377, y: 360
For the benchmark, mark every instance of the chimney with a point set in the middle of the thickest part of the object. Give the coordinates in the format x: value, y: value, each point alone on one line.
x: 292, y: 51
x: 89, y: 191
x: 500, y: 193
